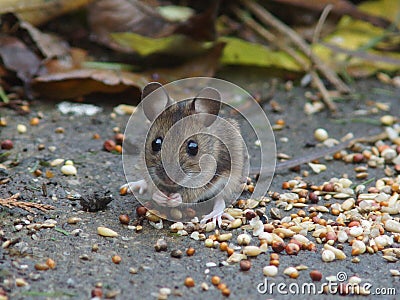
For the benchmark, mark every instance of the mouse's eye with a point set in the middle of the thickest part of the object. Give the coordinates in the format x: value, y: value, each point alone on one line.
x: 192, y: 148
x: 156, y: 144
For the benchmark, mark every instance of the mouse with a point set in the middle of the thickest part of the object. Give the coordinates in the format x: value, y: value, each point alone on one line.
x: 205, y: 160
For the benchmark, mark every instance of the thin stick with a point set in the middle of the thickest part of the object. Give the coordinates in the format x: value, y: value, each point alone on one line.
x: 270, y: 20
x: 299, y: 59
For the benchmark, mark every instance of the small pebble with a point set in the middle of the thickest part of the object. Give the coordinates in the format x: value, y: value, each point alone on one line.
x: 161, y: 245
x: 291, y: 272
x: 328, y: 255
x: 176, y: 253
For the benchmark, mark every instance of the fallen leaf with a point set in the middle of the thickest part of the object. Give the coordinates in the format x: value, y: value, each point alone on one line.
x: 18, y: 58
x: 176, y: 45
x: 205, y: 65
x: 110, y: 16
x: 74, y: 83
x: 241, y: 52
x: 38, y: 12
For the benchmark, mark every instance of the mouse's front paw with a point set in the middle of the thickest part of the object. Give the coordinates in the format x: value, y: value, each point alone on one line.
x: 217, y: 214
x: 160, y: 198
x: 174, y: 200
x: 132, y: 186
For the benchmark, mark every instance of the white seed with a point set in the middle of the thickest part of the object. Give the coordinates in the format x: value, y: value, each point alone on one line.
x: 320, y: 134
x: 317, y: 168
x: 20, y: 282
x: 342, y: 236
x: 348, y: 204
x: 56, y: 162
x: 210, y: 226
x: 291, y: 272
x: 252, y: 250
x: 266, y: 236
x: 243, y: 239
x: 339, y: 254
x: 394, y: 272
x: 69, y: 162
x: 104, y: 231
x: 284, y: 231
x: 236, y: 257
x: 73, y: 220
x: 356, y: 231
x: 270, y: 271
x: 224, y: 237
x: 355, y: 280
x: 328, y: 255
x: 176, y: 227
x: 358, y: 247
x: 21, y: 128
x: 301, y: 238
x: 209, y: 243
x: 68, y: 170
x: 392, y: 226
x: 235, y: 224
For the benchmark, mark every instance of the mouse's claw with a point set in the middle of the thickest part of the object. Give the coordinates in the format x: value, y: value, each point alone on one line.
x: 174, y: 200
x: 217, y: 213
x: 139, y: 185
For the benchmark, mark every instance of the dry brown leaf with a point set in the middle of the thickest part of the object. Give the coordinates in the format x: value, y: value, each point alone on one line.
x: 16, y: 57
x: 116, y: 16
x: 80, y: 82
x: 204, y: 65
x: 110, y: 16
x: 38, y: 12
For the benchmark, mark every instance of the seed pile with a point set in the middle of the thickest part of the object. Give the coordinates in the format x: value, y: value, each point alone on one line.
x: 332, y: 214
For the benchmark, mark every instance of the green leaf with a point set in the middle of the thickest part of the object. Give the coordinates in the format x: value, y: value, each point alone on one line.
x: 176, y: 44
x: 241, y: 52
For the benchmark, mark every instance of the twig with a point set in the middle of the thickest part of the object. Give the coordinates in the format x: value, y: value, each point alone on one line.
x: 270, y: 20
x: 298, y: 58
x: 12, y: 202
x: 321, y: 22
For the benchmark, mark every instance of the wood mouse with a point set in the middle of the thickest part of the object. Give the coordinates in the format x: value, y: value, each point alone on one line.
x: 191, y: 155
x: 206, y: 160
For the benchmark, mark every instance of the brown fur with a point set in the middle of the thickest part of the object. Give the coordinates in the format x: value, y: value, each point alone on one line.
x: 228, y: 164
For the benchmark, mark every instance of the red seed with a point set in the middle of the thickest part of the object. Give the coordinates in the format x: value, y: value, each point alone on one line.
x: 358, y: 157
x: 109, y: 145
x: 119, y: 138
x: 141, y: 211
x: 7, y: 145
x: 316, y: 275
x: 313, y: 197
x: 278, y: 246
x: 245, y: 265
x: 292, y: 249
x: 124, y: 219
x: 97, y: 292
x: 329, y: 187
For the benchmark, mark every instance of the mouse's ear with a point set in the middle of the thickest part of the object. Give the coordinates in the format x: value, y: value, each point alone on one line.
x: 207, y: 101
x: 157, y: 102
